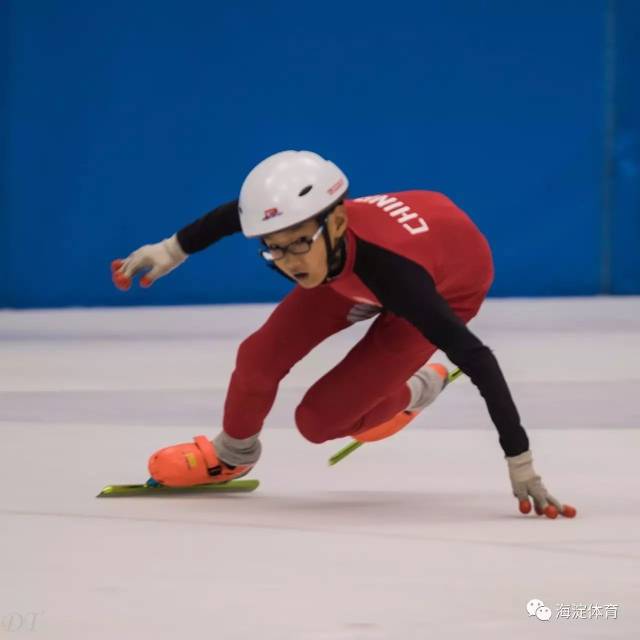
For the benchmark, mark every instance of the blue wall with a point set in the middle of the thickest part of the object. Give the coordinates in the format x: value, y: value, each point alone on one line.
x: 625, y: 197
x: 123, y: 121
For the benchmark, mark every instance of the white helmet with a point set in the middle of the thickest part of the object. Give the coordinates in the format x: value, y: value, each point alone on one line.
x: 288, y: 188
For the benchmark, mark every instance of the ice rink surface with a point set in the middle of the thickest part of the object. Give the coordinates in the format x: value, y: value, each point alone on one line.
x: 412, y: 538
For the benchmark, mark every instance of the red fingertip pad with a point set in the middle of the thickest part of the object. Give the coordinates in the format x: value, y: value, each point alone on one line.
x: 116, y: 264
x: 525, y: 506
x: 539, y: 511
x: 145, y: 282
x: 568, y: 511
x: 121, y: 282
x: 550, y: 511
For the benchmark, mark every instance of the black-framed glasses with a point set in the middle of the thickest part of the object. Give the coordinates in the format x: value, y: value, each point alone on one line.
x: 297, y: 247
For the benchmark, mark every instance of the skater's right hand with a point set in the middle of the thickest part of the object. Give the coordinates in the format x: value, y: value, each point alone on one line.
x: 156, y: 259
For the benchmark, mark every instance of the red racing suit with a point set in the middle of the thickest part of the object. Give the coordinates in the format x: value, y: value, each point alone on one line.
x: 419, y: 263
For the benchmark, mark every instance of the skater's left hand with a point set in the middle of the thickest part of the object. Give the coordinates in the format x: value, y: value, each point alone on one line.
x: 526, y: 482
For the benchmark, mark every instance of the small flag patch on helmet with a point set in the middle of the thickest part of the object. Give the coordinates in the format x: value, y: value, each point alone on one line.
x: 335, y: 187
x: 271, y: 213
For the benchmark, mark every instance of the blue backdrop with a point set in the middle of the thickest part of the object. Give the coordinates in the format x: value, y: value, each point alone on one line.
x: 123, y: 121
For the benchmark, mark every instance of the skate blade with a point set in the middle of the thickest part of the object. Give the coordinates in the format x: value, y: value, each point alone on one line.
x: 124, y: 490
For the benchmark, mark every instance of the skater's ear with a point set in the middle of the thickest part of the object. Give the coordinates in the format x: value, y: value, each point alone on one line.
x: 338, y: 221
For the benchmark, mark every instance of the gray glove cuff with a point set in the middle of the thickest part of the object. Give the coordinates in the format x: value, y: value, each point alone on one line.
x: 519, y: 461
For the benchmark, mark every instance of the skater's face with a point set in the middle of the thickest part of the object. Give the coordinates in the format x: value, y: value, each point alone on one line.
x: 309, y: 268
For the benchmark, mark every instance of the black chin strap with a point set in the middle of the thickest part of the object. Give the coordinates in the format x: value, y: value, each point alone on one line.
x: 336, y: 257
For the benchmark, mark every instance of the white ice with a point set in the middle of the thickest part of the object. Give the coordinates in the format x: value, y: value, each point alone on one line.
x: 415, y: 537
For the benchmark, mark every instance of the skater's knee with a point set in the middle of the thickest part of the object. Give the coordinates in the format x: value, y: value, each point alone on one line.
x: 311, y: 423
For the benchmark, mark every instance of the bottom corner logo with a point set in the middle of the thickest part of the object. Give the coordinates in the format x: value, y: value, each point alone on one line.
x: 535, y: 607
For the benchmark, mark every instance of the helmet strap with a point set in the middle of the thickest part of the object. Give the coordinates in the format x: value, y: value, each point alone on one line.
x: 336, y: 256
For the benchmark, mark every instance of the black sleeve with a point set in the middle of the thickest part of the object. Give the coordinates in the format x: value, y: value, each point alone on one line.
x: 408, y: 290
x: 222, y: 221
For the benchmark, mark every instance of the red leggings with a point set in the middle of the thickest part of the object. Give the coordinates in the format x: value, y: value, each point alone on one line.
x: 365, y: 389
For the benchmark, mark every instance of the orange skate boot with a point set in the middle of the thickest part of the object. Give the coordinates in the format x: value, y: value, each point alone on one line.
x: 188, y: 464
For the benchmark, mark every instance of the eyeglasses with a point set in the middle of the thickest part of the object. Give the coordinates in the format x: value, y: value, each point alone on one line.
x: 297, y: 247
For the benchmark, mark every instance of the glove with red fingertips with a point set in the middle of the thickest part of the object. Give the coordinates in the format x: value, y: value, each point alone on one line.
x: 525, y: 482
x: 119, y: 280
x: 153, y: 260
